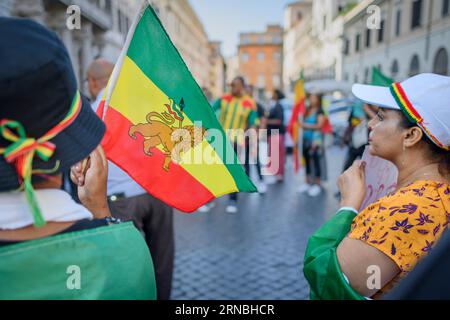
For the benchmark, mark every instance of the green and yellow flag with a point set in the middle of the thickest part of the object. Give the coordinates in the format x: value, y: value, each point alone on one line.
x: 380, y: 79
x: 161, y: 129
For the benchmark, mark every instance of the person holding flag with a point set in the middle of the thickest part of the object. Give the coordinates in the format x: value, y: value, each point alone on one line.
x: 294, y: 123
x: 153, y: 108
x: 130, y: 202
x: 50, y: 246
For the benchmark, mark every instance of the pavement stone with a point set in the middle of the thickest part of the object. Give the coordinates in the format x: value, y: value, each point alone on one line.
x: 256, y: 254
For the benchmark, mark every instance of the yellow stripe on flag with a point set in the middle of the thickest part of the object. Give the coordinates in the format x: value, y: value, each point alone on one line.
x: 203, y: 173
x: 135, y: 95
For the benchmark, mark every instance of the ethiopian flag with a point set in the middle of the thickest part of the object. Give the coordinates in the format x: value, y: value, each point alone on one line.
x: 294, y: 124
x: 161, y: 129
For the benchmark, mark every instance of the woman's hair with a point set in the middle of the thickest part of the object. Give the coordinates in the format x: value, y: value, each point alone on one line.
x: 279, y: 94
x: 434, y: 150
x: 319, y: 97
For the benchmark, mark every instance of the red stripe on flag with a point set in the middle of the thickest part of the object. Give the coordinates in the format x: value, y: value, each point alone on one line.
x: 168, y: 186
x: 298, y: 109
x: 327, y: 127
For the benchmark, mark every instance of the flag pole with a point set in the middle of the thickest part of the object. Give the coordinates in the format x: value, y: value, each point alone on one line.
x: 116, y: 71
x: 300, y: 127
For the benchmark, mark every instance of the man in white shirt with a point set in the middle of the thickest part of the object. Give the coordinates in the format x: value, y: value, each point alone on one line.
x: 128, y: 201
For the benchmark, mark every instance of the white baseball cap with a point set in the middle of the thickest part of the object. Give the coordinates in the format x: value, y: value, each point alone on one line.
x: 424, y: 99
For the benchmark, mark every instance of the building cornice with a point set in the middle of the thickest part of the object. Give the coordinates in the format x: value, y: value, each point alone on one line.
x: 92, y: 13
x: 360, y: 10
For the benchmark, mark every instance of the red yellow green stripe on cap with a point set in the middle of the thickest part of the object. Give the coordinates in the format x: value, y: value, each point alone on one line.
x: 22, y: 149
x: 411, y: 113
x: 404, y: 103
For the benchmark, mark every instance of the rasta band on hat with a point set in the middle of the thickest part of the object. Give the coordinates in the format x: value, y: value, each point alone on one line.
x: 411, y: 113
x: 22, y: 149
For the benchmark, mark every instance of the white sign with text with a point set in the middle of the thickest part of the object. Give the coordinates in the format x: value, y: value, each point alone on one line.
x: 381, y: 178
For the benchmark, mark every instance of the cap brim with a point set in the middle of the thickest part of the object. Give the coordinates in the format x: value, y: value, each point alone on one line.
x: 375, y: 95
x: 73, y: 144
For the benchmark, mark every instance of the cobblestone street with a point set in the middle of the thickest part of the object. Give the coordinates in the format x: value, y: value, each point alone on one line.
x: 258, y: 252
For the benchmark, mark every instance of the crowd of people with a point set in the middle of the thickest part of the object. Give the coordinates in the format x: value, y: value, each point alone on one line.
x: 64, y: 207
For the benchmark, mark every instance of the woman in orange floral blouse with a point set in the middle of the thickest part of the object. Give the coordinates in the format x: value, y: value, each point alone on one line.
x: 412, y: 130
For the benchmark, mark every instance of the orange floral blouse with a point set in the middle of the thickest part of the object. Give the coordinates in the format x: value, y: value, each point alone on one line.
x: 406, y: 224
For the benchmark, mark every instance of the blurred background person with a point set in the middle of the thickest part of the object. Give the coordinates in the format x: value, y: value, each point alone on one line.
x: 357, y: 132
x: 237, y: 111
x: 277, y: 130
x: 313, y: 145
x: 262, y: 188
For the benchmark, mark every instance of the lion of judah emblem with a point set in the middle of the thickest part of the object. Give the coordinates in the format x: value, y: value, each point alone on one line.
x: 159, y: 130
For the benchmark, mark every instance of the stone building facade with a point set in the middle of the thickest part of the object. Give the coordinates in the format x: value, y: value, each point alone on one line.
x: 261, y: 59
x: 232, y: 69
x: 414, y: 37
x: 5, y: 8
x: 297, y: 31
x: 103, y: 26
x: 313, y: 39
x: 217, y: 79
x: 188, y: 35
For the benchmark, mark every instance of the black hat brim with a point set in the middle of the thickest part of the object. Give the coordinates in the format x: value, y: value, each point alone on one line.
x: 73, y: 144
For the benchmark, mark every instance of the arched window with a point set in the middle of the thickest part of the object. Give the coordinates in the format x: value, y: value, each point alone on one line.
x: 394, y: 69
x: 414, y: 66
x: 440, y: 65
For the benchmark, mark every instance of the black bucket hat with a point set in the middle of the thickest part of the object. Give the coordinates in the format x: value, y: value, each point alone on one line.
x: 37, y: 90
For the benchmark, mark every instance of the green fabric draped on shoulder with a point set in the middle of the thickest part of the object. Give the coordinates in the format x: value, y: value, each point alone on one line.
x: 111, y: 262
x: 321, y: 266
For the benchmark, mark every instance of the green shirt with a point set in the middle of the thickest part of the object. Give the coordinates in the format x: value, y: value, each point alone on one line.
x: 236, y: 113
x: 110, y: 262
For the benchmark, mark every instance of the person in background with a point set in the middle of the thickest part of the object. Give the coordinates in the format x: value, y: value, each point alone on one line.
x: 262, y: 188
x: 412, y: 130
x: 313, y: 141
x: 277, y: 130
x: 97, y: 78
x: 50, y: 246
x: 130, y: 202
x: 356, y: 135
x: 237, y: 111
